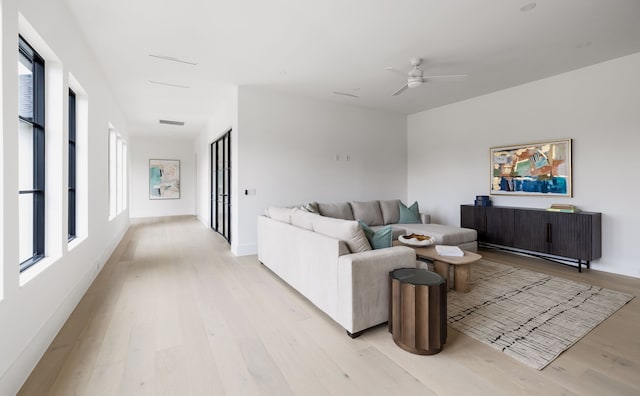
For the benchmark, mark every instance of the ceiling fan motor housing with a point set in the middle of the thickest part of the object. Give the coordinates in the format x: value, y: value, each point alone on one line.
x: 414, y: 82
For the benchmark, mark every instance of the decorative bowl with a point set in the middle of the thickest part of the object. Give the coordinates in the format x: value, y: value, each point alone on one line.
x: 416, y: 240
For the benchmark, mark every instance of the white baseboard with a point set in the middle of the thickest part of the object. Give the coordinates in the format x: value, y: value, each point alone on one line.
x: 244, y: 250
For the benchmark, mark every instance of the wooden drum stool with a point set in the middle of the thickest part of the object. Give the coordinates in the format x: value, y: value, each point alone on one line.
x: 418, y: 310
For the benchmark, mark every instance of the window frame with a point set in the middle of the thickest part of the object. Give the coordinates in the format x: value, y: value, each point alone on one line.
x: 37, y: 122
x: 72, y: 194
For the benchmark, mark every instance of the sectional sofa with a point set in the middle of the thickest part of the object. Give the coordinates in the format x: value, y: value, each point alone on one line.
x: 327, y: 258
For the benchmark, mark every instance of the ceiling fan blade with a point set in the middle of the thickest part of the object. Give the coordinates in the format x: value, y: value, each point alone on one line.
x: 401, y: 90
x: 396, y: 71
x: 445, y: 78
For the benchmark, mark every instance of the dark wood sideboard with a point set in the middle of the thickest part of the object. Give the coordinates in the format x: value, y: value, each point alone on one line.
x: 573, y: 237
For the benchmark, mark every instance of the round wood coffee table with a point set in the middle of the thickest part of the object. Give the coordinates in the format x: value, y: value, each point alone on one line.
x: 418, y: 310
x: 461, y: 266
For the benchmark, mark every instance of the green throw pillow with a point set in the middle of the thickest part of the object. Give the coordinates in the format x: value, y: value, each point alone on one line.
x: 409, y: 215
x: 378, y: 239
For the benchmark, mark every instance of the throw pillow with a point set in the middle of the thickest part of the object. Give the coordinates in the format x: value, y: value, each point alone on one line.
x: 409, y: 215
x: 379, y: 239
x: 311, y: 207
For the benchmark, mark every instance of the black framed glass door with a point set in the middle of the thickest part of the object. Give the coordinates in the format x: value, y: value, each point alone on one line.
x: 220, y: 154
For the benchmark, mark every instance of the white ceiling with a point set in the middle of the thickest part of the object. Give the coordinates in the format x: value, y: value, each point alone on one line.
x: 316, y: 47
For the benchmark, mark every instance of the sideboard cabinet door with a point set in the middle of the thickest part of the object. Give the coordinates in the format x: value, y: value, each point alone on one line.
x: 530, y: 230
x: 499, y: 225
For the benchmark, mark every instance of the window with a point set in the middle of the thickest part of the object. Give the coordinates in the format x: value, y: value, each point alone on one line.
x: 124, y: 175
x: 119, y: 191
x: 71, y: 229
x: 117, y: 173
x: 31, y: 153
x: 113, y: 138
x: 77, y: 169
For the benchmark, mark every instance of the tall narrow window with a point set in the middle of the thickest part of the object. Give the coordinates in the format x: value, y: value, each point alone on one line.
x: 71, y: 229
x: 119, y: 169
x: 112, y: 172
x: 124, y: 176
x: 117, y: 173
x: 31, y: 150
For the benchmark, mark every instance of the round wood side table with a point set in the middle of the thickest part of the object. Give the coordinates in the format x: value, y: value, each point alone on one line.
x: 418, y: 310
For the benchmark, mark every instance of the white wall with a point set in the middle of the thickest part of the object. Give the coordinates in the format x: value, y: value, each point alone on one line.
x: 143, y: 148
x: 34, y: 307
x: 223, y: 119
x: 287, y: 148
x: 598, y: 107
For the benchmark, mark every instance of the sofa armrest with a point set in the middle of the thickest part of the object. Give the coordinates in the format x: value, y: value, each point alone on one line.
x: 425, y: 218
x: 363, y: 285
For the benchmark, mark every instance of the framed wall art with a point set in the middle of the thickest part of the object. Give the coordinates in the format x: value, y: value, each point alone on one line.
x: 164, y: 179
x: 542, y: 169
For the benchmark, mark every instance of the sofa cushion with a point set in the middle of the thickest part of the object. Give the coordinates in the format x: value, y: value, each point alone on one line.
x: 390, y: 211
x: 280, y: 214
x: 380, y: 238
x: 410, y: 215
x: 368, y: 212
x: 340, y: 210
x: 348, y: 231
x: 303, y: 219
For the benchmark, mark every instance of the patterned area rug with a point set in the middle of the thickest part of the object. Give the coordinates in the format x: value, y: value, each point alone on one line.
x: 530, y: 316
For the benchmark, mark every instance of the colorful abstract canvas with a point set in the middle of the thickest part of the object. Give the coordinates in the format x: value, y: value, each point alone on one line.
x: 164, y: 179
x: 532, y: 169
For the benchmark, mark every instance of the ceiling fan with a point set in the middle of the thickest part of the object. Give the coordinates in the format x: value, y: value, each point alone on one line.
x: 416, y: 77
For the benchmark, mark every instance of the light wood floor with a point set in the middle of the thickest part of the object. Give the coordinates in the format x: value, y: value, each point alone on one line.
x: 174, y: 313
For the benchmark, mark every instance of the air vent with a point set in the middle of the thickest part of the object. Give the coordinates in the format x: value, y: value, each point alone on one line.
x: 168, y: 84
x: 172, y: 59
x: 346, y: 94
x: 169, y: 122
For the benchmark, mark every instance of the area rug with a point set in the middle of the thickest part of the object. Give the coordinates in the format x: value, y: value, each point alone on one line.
x: 527, y: 315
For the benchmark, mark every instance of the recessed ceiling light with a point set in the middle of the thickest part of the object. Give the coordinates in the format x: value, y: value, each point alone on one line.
x: 168, y: 84
x: 346, y: 94
x: 172, y: 59
x: 528, y: 7
x: 169, y: 122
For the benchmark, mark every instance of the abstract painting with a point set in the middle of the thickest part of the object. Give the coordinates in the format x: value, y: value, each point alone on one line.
x: 532, y: 169
x: 164, y: 179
